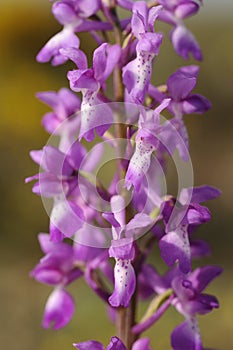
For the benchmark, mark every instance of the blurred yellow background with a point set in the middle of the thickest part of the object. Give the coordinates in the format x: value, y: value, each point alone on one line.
x: 24, y: 27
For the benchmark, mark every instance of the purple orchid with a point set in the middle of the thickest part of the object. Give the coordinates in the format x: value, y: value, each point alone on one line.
x: 183, y: 40
x: 137, y: 73
x: 190, y: 301
x: 175, y: 244
x: 123, y: 251
x: 152, y: 135
x: 179, y: 87
x: 94, y: 113
x: 99, y: 230
x: 180, y: 84
x: 60, y: 169
x: 56, y: 268
x: 64, y: 104
x: 73, y: 16
x: 61, y: 181
x: 187, y: 298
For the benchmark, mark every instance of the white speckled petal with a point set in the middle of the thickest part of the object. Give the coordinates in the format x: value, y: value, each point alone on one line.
x: 139, y: 165
x: 125, y: 282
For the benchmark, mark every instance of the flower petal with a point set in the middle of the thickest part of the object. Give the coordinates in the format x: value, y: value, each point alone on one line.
x: 64, y: 39
x: 142, y: 344
x: 196, y: 104
x: 67, y: 217
x: 139, y: 165
x: 198, y: 194
x: 105, y: 59
x: 95, y: 115
x: 186, y: 336
x: 125, y: 283
x: 175, y: 246
x: 202, y: 276
x: 182, y: 82
x: 89, y: 345
x: 59, y: 309
x: 115, y: 344
x: 185, y: 43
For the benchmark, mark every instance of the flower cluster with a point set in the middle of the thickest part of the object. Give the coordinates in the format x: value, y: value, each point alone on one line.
x: 106, y: 233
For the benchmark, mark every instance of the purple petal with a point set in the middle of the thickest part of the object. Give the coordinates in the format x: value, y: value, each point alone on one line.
x: 182, y: 82
x: 150, y: 43
x: 75, y: 55
x: 50, y: 122
x: 76, y: 154
x: 89, y: 345
x: 56, y: 235
x: 93, y: 158
x: 45, y: 243
x: 55, y: 162
x: 153, y: 15
x: 105, y: 59
x: 59, y: 309
x: 37, y: 156
x: 167, y: 16
x: 88, y: 7
x: 47, y: 276
x: 122, y: 249
x: 139, y: 18
x: 64, y: 13
x: 202, y: 276
x: 89, y: 25
x: 142, y: 344
x: 185, y: 43
x: 199, y: 248
x: 199, y: 194
x: 64, y: 104
x: 64, y: 39
x: 196, y: 104
x: 115, y: 344
x: 111, y: 219
x: 67, y: 217
x: 197, y: 214
x: 48, y: 97
x: 88, y: 243
x: 48, y: 185
x: 183, y: 289
x: 138, y: 225
x: 174, y: 136
x: 186, y: 9
x: 186, y: 336
x: 70, y: 101
x: 175, y: 246
x: 82, y: 79
x: 202, y: 304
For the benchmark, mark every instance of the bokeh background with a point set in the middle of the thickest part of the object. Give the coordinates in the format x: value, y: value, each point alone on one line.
x: 24, y: 27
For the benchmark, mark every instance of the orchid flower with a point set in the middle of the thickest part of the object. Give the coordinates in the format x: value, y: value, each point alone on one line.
x: 94, y: 114
x: 137, y: 73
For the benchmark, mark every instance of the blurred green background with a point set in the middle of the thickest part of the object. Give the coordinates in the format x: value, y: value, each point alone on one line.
x: 24, y: 27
